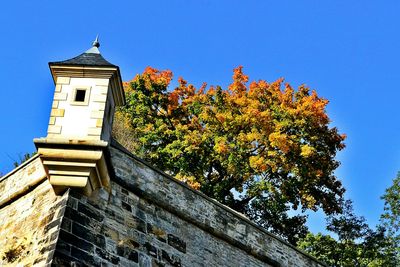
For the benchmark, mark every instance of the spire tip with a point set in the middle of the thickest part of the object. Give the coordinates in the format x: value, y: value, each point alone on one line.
x: 96, y: 42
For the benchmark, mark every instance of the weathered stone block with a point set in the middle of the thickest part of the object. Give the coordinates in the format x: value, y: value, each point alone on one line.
x: 54, y: 104
x: 63, y: 80
x: 177, y: 243
x: 96, y: 114
x: 76, y: 241
x: 126, y: 206
x: 82, y: 256
x: 94, y: 131
x: 63, y: 247
x: 171, y: 259
x: 144, y: 260
x: 56, y: 112
x: 52, y: 120
x: 90, y: 212
x: 102, y: 82
x: 107, y: 256
x: 128, y: 253
x: 99, y: 122
x: 58, y: 88
x: 100, y: 98
x: 54, y: 129
x: 60, y: 96
x: 135, y: 223
x: 88, y: 235
x: 158, y: 232
x: 151, y: 250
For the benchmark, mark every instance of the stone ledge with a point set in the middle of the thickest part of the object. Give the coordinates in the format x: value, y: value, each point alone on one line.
x: 76, y: 164
x: 70, y: 142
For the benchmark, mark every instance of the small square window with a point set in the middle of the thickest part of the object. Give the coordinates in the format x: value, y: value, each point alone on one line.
x: 80, y: 96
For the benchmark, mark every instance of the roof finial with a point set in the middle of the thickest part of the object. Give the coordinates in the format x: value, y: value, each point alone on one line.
x: 96, y: 42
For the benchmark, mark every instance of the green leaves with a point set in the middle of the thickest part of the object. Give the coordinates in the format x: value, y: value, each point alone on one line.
x: 356, y: 245
x: 390, y: 218
x: 261, y: 149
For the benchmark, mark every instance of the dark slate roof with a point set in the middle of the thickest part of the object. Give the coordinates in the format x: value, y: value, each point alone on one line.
x: 91, y: 57
x: 87, y: 59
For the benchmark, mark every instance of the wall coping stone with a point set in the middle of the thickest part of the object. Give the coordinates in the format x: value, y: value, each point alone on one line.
x: 45, y: 141
x: 19, y: 167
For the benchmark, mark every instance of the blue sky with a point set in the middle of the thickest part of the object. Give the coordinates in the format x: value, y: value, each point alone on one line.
x: 347, y: 50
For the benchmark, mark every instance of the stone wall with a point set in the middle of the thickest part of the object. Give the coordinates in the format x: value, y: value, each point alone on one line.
x: 145, y: 218
x: 30, y: 216
x: 151, y: 219
x: 120, y: 228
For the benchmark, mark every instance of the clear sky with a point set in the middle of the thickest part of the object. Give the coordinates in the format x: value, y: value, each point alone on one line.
x: 347, y: 50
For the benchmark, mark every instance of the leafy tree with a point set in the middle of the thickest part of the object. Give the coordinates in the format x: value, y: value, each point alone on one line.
x: 356, y: 245
x: 391, y: 216
x: 323, y: 247
x: 261, y: 148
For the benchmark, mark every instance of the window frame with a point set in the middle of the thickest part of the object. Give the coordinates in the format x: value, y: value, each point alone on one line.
x: 85, y: 102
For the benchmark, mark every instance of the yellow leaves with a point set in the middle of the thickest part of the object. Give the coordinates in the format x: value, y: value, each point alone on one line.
x: 307, y: 151
x: 308, y: 200
x: 192, y: 141
x: 221, y: 146
x: 220, y: 117
x: 280, y: 141
x: 258, y: 163
x: 286, y: 97
x: 184, y: 89
x: 311, y: 106
x: 153, y: 75
x: 257, y: 89
x: 240, y: 101
x: 182, y: 82
x: 254, y: 88
x: 254, y: 135
x: 239, y: 81
x: 202, y: 88
x: 275, y: 88
x: 173, y: 101
x: 149, y: 127
x: 127, y: 87
x: 189, y: 180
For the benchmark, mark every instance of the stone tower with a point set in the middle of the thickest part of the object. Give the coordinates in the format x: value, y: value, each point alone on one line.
x: 87, y: 89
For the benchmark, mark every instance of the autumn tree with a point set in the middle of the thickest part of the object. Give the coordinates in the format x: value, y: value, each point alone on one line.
x: 356, y: 243
x: 263, y: 149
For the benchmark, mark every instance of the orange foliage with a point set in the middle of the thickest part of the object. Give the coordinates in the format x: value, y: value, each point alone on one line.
x: 245, y: 137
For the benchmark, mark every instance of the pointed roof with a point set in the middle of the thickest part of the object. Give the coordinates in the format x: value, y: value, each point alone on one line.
x: 91, y: 64
x: 90, y: 57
